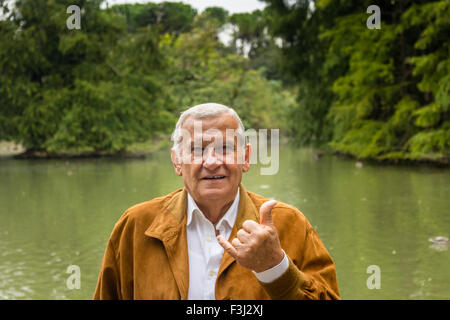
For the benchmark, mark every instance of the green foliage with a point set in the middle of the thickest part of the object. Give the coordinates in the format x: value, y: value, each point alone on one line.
x: 109, y: 116
x: 217, y: 13
x: 250, y: 30
x: 122, y: 79
x: 92, y: 89
x: 202, y: 72
x: 380, y: 94
x: 125, y: 76
x: 168, y: 17
x: 427, y: 116
x: 306, y: 58
x: 251, y: 38
x: 429, y: 144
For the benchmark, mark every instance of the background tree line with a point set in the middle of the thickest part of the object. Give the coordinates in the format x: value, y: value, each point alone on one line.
x: 123, y: 77
x: 311, y: 68
x: 380, y: 94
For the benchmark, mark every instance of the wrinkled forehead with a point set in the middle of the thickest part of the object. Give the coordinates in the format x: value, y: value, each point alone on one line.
x: 221, y: 127
x: 221, y: 121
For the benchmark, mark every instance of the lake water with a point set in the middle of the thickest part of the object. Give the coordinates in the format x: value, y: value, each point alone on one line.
x: 58, y: 213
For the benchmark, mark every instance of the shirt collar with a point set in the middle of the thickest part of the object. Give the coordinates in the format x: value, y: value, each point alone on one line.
x: 229, y: 216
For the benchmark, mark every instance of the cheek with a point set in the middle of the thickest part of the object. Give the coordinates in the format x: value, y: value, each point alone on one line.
x: 191, y: 172
x: 235, y: 171
x: 229, y: 159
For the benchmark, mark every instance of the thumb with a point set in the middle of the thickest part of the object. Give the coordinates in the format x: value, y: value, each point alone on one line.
x: 265, y: 214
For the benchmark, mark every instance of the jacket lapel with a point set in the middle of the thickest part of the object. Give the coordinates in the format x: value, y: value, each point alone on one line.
x: 170, y: 227
x: 247, y: 211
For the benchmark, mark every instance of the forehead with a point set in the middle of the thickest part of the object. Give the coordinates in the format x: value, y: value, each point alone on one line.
x: 221, y: 122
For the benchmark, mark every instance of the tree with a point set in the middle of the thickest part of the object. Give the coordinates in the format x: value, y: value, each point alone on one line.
x: 84, y: 90
x: 382, y: 107
x: 217, y: 13
x: 200, y: 71
x: 299, y: 26
x: 370, y: 93
x: 251, y: 38
x: 169, y: 17
x: 432, y: 69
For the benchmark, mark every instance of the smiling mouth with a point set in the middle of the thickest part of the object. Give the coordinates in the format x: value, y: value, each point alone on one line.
x: 214, y: 178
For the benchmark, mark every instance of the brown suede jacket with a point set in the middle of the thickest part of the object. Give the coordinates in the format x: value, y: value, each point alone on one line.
x: 147, y: 255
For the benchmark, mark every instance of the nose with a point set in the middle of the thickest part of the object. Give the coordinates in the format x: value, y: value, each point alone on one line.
x: 210, y: 159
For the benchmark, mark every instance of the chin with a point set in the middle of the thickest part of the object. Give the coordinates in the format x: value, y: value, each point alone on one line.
x: 213, y: 194
x: 217, y: 193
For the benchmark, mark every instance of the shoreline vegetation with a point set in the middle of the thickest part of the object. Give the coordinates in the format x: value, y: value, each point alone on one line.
x: 114, y: 87
x: 11, y: 150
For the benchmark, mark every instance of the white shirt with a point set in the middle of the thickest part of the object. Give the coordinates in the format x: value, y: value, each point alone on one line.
x: 205, y: 253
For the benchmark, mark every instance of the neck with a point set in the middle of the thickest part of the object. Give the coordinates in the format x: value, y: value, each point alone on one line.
x: 214, y: 210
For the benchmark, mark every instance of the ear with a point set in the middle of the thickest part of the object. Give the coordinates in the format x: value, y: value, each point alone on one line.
x: 246, y: 165
x: 176, y: 162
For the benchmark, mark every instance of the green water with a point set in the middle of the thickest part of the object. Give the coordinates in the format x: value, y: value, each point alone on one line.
x: 57, y: 213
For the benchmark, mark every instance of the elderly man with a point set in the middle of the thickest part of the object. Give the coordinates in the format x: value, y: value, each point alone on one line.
x: 213, y: 239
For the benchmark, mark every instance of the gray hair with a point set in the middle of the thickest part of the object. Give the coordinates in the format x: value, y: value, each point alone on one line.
x: 204, y: 111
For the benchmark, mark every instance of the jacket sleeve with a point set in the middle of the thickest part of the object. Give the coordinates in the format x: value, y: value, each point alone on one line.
x: 313, y: 276
x: 108, y: 284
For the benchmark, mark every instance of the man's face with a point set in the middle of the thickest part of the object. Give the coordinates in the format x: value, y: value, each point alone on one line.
x: 210, y: 163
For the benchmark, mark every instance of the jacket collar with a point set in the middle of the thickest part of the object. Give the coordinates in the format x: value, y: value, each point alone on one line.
x: 169, y: 226
x: 229, y: 217
x: 164, y: 225
x: 169, y: 221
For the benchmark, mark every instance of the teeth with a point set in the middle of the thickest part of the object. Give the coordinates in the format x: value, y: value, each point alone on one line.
x: 216, y: 177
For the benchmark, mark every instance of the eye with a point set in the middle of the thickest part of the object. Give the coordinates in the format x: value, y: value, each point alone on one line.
x: 224, y: 150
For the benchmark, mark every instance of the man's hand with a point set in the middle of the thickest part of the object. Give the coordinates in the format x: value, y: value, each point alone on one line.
x: 257, y: 246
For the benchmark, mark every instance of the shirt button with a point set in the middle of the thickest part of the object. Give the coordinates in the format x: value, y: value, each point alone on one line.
x: 208, y: 238
x: 211, y: 273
